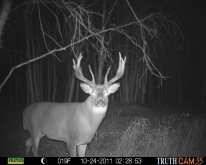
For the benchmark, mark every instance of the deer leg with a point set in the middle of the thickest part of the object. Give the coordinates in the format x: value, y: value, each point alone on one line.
x: 35, y: 146
x: 28, y: 144
x: 81, y: 149
x: 72, y: 149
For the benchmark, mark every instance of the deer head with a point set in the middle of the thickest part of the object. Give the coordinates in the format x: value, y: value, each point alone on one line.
x: 99, y: 93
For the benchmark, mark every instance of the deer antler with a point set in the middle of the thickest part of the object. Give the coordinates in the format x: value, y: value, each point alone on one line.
x: 120, y: 71
x: 79, y: 74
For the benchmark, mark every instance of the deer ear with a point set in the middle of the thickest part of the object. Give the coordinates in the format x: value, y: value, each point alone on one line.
x: 86, y: 88
x: 113, y: 88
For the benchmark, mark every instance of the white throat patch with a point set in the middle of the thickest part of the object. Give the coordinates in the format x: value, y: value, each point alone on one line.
x: 99, y: 109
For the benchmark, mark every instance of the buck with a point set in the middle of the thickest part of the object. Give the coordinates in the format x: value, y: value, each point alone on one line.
x: 73, y: 123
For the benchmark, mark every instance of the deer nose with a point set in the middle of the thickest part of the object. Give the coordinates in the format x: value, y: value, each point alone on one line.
x: 100, y: 102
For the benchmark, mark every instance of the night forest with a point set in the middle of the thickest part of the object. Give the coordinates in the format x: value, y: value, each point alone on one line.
x: 159, y: 108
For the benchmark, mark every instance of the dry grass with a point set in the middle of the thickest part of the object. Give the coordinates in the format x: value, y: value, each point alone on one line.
x: 171, y: 136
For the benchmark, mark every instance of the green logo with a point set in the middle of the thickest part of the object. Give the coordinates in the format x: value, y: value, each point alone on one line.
x: 15, y: 161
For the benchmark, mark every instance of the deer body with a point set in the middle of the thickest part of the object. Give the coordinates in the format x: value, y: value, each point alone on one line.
x: 73, y: 123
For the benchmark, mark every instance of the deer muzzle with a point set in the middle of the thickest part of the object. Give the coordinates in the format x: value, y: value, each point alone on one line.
x: 100, y: 102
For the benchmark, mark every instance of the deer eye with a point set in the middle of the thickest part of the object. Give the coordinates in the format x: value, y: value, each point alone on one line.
x: 93, y: 93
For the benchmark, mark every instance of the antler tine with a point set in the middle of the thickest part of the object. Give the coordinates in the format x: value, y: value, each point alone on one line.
x: 119, y: 73
x: 78, y: 71
x: 93, y: 80
x: 105, y: 79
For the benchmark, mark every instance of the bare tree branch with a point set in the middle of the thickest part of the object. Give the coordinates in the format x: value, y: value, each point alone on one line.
x: 83, y: 30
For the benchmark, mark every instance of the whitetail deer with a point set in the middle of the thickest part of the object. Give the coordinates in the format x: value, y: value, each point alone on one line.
x: 73, y: 123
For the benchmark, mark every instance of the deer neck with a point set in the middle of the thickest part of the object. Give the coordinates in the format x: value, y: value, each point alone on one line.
x: 94, y: 113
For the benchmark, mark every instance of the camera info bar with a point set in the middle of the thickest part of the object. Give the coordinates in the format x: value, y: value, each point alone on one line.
x: 104, y: 160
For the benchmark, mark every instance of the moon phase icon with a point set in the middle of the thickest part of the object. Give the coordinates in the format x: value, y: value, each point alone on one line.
x: 43, y: 160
